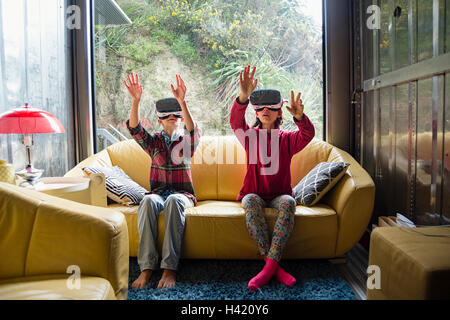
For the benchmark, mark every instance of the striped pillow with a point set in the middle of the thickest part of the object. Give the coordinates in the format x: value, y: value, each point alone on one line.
x: 119, y: 186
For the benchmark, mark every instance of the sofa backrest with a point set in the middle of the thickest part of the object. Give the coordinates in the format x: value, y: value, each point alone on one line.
x: 218, y: 166
x: 17, y: 218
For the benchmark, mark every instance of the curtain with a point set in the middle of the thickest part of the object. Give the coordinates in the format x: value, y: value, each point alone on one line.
x: 34, y: 69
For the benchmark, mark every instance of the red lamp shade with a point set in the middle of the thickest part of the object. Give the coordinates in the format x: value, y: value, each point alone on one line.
x: 28, y: 120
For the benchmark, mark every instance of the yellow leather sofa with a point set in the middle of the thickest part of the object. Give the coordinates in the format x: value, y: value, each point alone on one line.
x: 216, y: 228
x: 45, y: 241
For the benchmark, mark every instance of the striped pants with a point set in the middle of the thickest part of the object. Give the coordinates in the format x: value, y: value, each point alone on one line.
x: 258, y: 228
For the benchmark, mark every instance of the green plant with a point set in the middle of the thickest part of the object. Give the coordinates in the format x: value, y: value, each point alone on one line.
x: 218, y: 38
x: 183, y: 48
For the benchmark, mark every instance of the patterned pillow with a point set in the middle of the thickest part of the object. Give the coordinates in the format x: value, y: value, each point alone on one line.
x: 318, y: 182
x: 119, y: 186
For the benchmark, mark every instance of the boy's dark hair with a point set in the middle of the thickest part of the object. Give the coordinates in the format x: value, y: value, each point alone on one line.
x: 258, y: 123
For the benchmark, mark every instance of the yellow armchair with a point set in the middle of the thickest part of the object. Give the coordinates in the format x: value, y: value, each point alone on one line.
x: 45, y: 238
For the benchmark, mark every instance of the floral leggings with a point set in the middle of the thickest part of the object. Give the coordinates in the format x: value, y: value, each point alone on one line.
x: 258, y: 228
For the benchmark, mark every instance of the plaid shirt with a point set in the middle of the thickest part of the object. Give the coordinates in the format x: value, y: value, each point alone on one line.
x: 171, y: 170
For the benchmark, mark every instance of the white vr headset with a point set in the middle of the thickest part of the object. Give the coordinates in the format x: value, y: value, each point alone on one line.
x: 273, y: 107
x: 163, y: 115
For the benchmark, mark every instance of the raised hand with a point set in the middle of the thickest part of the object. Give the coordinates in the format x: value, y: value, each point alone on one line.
x: 134, y: 88
x: 247, y: 83
x: 296, y: 108
x: 180, y: 91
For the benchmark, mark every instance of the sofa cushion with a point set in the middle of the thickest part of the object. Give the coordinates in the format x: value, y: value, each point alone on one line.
x: 318, y: 182
x: 132, y: 159
x: 119, y: 186
x: 204, y: 168
x: 214, y: 208
x: 231, y: 169
x: 46, y: 288
x: 303, y: 162
x: 217, y: 230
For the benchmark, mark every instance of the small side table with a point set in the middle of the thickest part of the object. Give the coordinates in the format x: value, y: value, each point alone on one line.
x: 82, y: 190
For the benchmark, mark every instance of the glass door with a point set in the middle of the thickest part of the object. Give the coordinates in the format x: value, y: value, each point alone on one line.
x: 405, y: 140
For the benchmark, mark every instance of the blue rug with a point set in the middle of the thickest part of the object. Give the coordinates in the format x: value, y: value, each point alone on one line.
x: 228, y: 279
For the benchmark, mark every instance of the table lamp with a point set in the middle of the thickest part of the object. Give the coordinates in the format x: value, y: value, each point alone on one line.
x: 27, y: 121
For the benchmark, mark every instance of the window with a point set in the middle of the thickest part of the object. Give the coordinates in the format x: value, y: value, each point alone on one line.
x: 33, y: 70
x: 208, y: 43
x: 405, y: 140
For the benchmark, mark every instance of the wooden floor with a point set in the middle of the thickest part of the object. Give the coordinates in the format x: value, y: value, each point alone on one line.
x: 354, y: 270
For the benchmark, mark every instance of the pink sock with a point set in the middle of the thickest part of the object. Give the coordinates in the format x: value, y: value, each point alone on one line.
x: 284, y: 277
x: 264, y: 276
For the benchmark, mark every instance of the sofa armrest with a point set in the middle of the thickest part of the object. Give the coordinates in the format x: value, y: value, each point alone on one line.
x: 64, y: 233
x: 97, y: 190
x: 353, y: 200
x: 97, y: 187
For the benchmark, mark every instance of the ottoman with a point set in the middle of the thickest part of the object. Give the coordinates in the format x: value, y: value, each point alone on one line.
x: 414, y: 263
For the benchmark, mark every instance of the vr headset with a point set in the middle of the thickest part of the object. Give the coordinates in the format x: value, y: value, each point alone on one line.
x: 270, y: 99
x: 166, y: 107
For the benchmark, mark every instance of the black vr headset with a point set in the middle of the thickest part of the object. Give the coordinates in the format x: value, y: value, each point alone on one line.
x: 166, y: 107
x: 266, y: 98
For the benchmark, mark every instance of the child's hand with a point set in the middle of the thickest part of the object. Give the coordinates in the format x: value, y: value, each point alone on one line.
x: 134, y: 88
x: 247, y: 84
x: 180, y: 92
x: 296, y: 108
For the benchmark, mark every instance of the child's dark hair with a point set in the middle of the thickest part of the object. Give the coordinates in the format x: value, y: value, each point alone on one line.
x: 258, y: 123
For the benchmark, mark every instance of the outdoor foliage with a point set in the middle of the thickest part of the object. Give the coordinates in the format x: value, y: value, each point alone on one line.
x: 218, y: 38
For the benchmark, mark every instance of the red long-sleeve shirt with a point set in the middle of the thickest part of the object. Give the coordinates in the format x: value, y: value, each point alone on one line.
x: 261, y: 178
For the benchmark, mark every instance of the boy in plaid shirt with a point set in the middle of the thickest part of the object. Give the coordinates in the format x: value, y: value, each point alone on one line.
x: 170, y: 180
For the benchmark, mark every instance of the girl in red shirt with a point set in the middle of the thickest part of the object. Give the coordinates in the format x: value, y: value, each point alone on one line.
x: 267, y: 182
